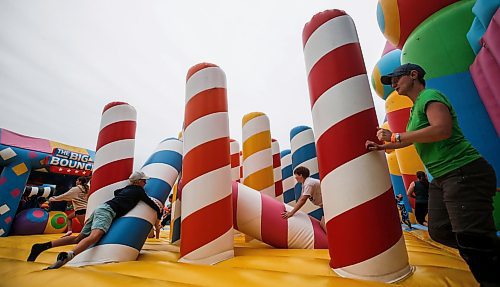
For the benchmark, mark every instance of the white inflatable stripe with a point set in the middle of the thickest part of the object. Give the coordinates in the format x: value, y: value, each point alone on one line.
x: 235, y: 173
x: 394, y: 258
x: 46, y: 192
x: 288, y: 183
x: 219, y: 247
x: 249, y: 212
x: 254, y: 126
x: 333, y: 34
x: 286, y: 161
x: 301, y: 139
x: 300, y: 230
x: 205, y: 79
x: 102, y: 195
x: 205, y: 190
x: 202, y: 130
x: 144, y: 211
x: 269, y: 190
x: 114, y: 151
x: 257, y: 161
x: 171, y: 145
x: 280, y: 198
x: 104, y: 254
x: 234, y: 147
x: 309, y: 207
x: 275, y: 147
x: 119, y: 113
x: 277, y: 174
x: 343, y: 100
x: 342, y: 190
x: 161, y: 171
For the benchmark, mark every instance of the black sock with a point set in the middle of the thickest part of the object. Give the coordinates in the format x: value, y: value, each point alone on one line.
x: 38, y: 248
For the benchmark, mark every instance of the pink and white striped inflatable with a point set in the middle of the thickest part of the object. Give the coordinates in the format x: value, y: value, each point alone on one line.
x: 206, y: 213
x: 259, y: 215
x: 365, y: 237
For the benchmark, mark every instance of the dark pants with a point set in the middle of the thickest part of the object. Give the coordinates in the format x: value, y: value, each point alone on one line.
x: 421, y: 211
x: 461, y: 216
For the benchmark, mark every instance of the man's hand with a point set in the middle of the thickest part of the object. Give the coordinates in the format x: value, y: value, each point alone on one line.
x: 384, y: 134
x: 373, y: 146
x: 287, y: 214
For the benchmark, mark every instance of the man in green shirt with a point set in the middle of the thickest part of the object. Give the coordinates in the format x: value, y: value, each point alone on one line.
x: 461, y: 193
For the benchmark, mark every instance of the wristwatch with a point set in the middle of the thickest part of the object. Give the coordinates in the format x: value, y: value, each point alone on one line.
x: 397, y: 137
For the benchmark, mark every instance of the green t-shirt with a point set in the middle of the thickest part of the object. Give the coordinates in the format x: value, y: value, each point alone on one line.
x: 443, y: 156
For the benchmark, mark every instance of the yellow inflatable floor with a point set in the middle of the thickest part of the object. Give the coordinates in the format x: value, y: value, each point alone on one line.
x: 254, y: 264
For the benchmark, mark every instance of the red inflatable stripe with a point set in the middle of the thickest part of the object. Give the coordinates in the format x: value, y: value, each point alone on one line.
x: 196, y: 224
x: 112, y: 104
x: 235, y: 205
x: 205, y: 158
x: 274, y: 229
x: 115, y: 132
x: 111, y: 173
x: 347, y: 139
x: 338, y: 65
x: 316, y: 22
x: 204, y: 103
x: 278, y: 188
x: 365, y: 238
x: 398, y: 120
x: 235, y: 160
x: 320, y: 240
x: 197, y: 68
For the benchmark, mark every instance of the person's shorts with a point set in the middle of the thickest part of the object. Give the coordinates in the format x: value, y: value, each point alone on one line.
x: 80, y: 212
x: 101, y: 218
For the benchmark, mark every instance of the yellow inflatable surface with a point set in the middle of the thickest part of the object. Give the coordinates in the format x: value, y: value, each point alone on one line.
x: 254, y: 264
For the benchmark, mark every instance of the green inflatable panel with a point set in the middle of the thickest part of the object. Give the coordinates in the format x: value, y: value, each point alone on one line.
x: 440, y: 44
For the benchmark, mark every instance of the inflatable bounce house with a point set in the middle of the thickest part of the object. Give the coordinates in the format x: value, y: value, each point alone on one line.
x: 226, y: 220
x: 32, y: 170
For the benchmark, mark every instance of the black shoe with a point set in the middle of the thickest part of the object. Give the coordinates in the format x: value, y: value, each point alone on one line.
x: 36, y: 249
x: 62, y: 258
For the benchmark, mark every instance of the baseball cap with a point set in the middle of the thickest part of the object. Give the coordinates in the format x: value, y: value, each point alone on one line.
x: 404, y: 69
x: 137, y: 175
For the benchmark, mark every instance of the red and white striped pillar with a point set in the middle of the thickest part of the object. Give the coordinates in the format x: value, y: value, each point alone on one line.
x: 358, y: 199
x: 206, y: 213
x: 114, y: 158
x: 278, y: 183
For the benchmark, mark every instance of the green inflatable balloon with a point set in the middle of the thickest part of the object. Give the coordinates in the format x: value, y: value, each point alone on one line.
x: 440, y: 44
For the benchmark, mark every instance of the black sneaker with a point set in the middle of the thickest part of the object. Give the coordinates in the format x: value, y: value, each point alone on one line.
x: 36, y: 249
x: 62, y: 258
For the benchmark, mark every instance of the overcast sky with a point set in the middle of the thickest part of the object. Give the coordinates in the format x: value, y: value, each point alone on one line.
x: 62, y: 61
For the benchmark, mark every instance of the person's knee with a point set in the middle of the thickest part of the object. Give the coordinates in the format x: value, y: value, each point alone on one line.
x: 96, y: 234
